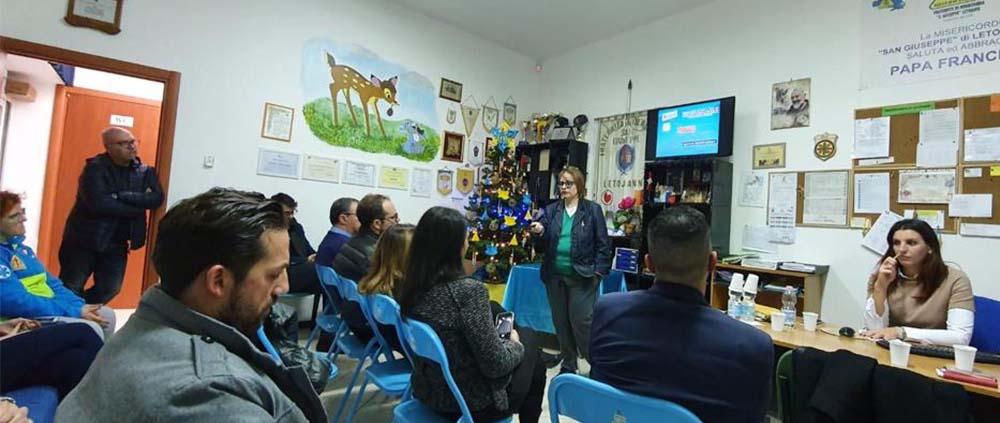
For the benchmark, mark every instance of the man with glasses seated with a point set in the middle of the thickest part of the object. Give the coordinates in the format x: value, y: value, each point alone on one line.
x: 301, y: 255
x: 345, y: 224
x: 376, y: 214
x: 109, y: 217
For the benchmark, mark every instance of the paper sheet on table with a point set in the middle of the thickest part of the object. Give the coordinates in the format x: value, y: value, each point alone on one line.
x: 825, y: 201
x: 871, y: 192
x: 871, y: 137
x: 926, y: 186
x: 971, y: 205
x: 980, y: 229
x: 982, y: 145
x: 939, y: 131
x: 757, y: 238
x: 752, y: 189
x: 875, y: 239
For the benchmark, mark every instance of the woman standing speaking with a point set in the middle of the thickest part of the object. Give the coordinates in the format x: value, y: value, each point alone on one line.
x: 574, y: 237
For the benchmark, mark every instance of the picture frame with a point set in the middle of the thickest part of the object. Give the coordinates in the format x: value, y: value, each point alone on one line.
x: 790, y: 102
x: 450, y: 90
x: 102, y: 15
x: 451, y: 149
x: 769, y: 156
x: 277, y: 122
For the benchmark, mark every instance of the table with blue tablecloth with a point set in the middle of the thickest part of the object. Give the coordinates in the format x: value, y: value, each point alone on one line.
x: 525, y: 296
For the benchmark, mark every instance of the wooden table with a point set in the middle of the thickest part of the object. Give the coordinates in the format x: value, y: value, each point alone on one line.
x: 798, y: 337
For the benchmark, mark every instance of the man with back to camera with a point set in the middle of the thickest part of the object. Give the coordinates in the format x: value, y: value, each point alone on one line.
x: 108, y: 218
x: 344, y: 225
x: 668, y: 343
x: 185, y: 355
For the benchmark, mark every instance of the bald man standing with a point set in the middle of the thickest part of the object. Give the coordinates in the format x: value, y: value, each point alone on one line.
x: 109, y: 217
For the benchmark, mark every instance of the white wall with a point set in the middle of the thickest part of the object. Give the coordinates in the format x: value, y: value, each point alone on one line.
x: 733, y: 47
x: 236, y: 55
x: 118, y: 84
x: 28, y: 138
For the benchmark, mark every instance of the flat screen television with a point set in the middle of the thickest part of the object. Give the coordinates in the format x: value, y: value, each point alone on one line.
x: 702, y: 129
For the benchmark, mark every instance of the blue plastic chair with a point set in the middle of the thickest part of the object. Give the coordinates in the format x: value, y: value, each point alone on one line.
x: 41, y: 401
x: 589, y: 401
x: 329, y: 321
x: 985, y: 335
x: 350, y: 345
x: 423, y: 342
x: 392, y: 376
x: 268, y: 346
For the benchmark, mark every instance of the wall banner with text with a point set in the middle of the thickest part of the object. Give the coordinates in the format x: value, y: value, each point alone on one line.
x: 919, y: 40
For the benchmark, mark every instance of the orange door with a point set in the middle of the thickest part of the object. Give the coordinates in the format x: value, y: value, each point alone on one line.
x: 79, y: 117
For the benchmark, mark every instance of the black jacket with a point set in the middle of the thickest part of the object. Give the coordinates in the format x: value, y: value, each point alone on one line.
x: 299, y: 248
x: 355, y: 257
x: 108, y: 197
x: 591, y: 248
x: 845, y: 387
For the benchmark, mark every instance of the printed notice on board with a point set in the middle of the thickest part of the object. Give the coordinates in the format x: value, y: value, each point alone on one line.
x: 871, y: 138
x: 982, y: 145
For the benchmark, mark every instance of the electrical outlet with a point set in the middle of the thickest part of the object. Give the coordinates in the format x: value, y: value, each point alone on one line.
x: 209, y: 161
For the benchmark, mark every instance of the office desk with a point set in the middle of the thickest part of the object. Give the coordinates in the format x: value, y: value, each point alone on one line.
x: 923, y: 365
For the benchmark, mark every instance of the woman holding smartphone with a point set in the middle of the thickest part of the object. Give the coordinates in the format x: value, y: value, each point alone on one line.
x: 574, y: 237
x: 498, y: 376
x: 914, y: 295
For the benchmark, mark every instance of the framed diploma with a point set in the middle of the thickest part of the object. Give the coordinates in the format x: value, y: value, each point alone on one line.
x: 102, y: 15
x: 277, y: 124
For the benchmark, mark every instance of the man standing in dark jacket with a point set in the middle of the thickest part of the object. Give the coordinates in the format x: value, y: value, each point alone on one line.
x: 377, y: 214
x: 109, y: 217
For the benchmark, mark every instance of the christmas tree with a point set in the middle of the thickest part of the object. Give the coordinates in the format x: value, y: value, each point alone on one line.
x: 500, y: 209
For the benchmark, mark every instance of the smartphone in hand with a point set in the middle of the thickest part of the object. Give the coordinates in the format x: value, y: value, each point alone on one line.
x: 505, y: 323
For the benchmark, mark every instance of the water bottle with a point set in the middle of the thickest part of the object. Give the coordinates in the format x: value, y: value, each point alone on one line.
x: 788, y: 300
x: 749, y: 295
x: 735, y: 296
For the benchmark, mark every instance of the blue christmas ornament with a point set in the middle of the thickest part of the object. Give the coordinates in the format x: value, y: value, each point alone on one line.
x: 485, y: 216
x: 502, y: 145
x: 526, y: 199
x: 491, y: 250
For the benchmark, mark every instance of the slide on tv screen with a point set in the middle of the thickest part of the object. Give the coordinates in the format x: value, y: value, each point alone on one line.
x: 689, y: 130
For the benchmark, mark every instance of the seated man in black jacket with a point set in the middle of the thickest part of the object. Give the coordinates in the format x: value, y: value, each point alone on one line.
x: 301, y: 255
x: 377, y: 214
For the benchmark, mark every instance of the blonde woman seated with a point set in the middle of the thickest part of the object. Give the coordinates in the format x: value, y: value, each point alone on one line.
x: 388, y: 265
x: 914, y: 295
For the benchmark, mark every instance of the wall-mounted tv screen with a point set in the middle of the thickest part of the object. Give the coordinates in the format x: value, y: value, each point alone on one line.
x: 703, y: 129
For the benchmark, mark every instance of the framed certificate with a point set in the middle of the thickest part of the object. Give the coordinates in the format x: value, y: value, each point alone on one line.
x: 102, y: 15
x: 277, y: 124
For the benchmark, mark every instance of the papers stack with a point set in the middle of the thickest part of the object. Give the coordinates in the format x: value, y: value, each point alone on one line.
x: 792, y: 266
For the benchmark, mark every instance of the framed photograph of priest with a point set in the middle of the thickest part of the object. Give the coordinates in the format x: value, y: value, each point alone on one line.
x: 453, y: 146
x: 790, y: 104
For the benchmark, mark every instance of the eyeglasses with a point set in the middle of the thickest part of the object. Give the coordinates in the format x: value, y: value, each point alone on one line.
x: 566, y: 183
x: 127, y: 143
x: 17, y: 216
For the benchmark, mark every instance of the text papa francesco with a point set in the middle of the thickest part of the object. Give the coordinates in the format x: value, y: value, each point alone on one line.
x: 945, y: 63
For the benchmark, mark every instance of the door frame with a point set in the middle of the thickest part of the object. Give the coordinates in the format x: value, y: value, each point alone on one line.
x: 168, y: 115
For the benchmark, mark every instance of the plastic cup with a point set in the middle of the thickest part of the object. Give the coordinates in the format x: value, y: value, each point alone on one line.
x: 899, y: 353
x: 778, y: 321
x: 810, y: 319
x: 965, y: 356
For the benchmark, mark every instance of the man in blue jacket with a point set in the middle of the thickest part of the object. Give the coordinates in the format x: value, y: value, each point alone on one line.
x: 109, y: 217
x: 344, y: 218
x: 27, y: 289
x: 668, y: 343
